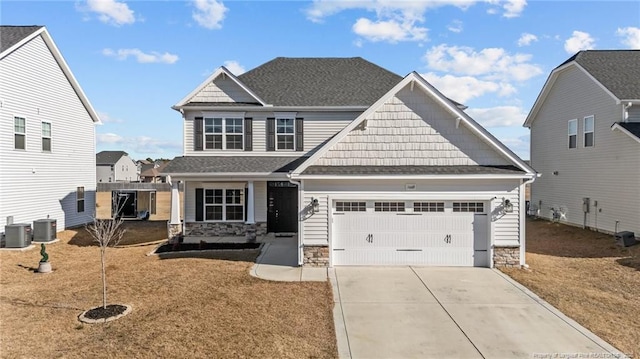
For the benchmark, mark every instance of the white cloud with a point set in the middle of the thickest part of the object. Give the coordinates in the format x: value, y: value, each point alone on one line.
x: 141, y: 57
x: 519, y: 145
x: 234, y: 67
x: 465, y: 88
x: 209, y: 13
x: 138, y: 144
x: 110, y: 11
x: 514, y: 8
x: 579, y: 41
x: 526, y: 39
x: 494, y: 64
x: 105, y: 118
x: 390, y: 30
x: 500, y: 116
x: 108, y: 138
x: 630, y: 37
x: 455, y: 26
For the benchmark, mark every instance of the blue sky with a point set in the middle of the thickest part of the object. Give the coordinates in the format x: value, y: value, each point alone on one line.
x: 135, y: 59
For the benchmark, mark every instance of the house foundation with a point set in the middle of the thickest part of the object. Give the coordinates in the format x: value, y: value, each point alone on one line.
x: 316, y: 256
x: 506, y: 257
x: 225, y: 229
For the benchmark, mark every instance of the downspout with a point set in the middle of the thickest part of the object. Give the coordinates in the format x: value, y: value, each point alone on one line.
x: 523, y: 220
x: 300, y: 227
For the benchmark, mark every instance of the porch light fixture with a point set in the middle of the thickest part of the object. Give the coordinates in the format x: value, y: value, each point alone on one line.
x: 315, y: 205
x: 507, y: 205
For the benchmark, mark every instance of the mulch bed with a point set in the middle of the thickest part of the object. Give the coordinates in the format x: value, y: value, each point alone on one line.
x: 183, y: 247
x: 102, y: 313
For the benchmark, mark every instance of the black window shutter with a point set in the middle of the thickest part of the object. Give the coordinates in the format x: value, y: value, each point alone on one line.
x: 248, y: 134
x: 198, y: 125
x: 299, y: 134
x: 271, y: 134
x: 199, y: 204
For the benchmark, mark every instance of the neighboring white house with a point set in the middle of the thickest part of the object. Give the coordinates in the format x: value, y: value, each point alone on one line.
x: 365, y: 166
x: 585, y: 142
x: 115, y: 166
x: 47, y: 133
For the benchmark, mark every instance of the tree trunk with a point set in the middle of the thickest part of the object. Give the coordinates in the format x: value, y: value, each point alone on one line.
x: 104, y: 279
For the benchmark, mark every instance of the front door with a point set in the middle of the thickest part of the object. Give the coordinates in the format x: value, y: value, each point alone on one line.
x: 282, y: 202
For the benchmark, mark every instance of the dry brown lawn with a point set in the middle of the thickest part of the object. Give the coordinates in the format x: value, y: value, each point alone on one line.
x: 587, y: 276
x: 207, y: 306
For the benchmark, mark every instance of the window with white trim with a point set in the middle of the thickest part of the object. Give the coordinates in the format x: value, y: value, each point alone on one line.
x: 351, y: 206
x: 285, y: 133
x: 224, y: 204
x: 573, y: 133
x: 46, y: 136
x: 80, y: 199
x: 223, y: 133
x: 388, y: 206
x: 20, y: 133
x: 477, y: 207
x: 428, y: 206
x: 587, y: 128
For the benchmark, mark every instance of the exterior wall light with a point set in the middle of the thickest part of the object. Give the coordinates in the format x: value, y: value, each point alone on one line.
x: 315, y: 205
x: 508, y: 206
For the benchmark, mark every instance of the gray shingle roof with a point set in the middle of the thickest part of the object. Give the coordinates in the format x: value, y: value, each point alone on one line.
x: 617, y: 70
x: 235, y: 164
x: 109, y: 157
x: 11, y: 35
x: 319, y: 81
x: 633, y: 127
x: 410, y: 170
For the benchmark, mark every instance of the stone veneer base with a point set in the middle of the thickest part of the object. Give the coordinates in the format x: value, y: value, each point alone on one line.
x: 316, y: 256
x: 224, y: 229
x: 506, y: 257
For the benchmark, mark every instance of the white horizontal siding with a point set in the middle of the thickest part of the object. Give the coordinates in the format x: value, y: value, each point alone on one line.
x: 260, y: 201
x: 222, y: 89
x: 608, y: 172
x: 36, y: 184
x: 316, y: 226
x: 633, y: 114
x: 411, y: 129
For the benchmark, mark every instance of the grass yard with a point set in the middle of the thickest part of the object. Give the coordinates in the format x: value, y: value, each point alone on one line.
x: 588, y: 277
x: 207, y: 307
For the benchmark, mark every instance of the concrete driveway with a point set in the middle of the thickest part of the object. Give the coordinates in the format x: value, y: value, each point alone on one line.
x: 426, y: 312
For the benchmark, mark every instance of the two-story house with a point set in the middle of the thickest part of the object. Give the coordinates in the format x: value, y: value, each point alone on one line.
x: 365, y: 166
x: 47, y: 133
x: 115, y: 166
x: 585, y: 142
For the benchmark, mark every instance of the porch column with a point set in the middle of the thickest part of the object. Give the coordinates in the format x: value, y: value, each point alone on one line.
x: 175, y: 202
x: 250, y: 204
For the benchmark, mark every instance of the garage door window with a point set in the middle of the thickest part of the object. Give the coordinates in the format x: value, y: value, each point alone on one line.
x: 477, y: 207
x: 351, y: 206
x: 389, y: 206
x: 428, y: 206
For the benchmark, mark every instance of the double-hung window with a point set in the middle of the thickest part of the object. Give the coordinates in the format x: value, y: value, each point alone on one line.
x: 224, y: 204
x: 46, y: 136
x: 222, y: 133
x: 573, y: 133
x: 20, y: 133
x: 80, y: 199
x: 588, y: 126
x: 285, y: 133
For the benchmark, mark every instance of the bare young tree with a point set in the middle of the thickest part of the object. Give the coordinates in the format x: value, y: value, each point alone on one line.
x: 107, y: 233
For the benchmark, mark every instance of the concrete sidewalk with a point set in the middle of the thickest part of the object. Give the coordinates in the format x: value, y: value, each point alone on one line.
x: 278, y: 261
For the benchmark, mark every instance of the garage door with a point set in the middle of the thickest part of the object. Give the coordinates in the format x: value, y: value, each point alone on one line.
x: 441, y: 233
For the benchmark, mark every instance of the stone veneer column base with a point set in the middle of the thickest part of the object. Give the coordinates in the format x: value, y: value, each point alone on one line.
x: 225, y: 229
x: 316, y: 256
x: 506, y: 257
x: 174, y: 232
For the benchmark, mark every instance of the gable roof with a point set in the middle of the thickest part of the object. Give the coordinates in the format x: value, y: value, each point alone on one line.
x: 630, y: 128
x: 616, y: 71
x: 154, y: 171
x: 14, y: 37
x: 414, y: 79
x: 224, y: 165
x: 109, y: 157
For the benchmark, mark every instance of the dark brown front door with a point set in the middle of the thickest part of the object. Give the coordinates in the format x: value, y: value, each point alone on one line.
x: 282, y: 203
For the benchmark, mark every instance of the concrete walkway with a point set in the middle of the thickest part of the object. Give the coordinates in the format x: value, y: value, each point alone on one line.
x: 278, y: 261
x: 429, y: 312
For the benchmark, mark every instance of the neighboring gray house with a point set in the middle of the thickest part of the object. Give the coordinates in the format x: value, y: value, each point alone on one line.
x: 47, y: 133
x: 585, y: 141
x: 367, y: 167
x: 115, y: 166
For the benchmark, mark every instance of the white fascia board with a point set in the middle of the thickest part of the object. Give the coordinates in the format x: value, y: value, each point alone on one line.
x: 414, y: 177
x: 410, y: 195
x: 221, y: 70
x: 228, y: 176
x: 268, y: 108
x: 617, y: 126
x: 46, y: 37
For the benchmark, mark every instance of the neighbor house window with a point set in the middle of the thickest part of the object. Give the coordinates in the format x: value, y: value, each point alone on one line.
x: 20, y: 133
x: 46, y: 136
x: 588, y: 131
x: 388, y: 206
x: 351, y: 206
x: 428, y: 206
x: 223, y: 133
x: 573, y: 133
x: 285, y: 134
x: 80, y: 199
x: 477, y: 207
x: 224, y: 204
